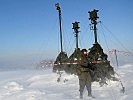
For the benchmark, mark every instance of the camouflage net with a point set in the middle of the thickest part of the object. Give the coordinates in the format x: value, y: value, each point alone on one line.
x: 98, y: 66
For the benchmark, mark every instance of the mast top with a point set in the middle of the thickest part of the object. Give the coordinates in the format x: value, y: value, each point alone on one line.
x: 93, y: 15
x: 76, y: 27
x: 57, y: 6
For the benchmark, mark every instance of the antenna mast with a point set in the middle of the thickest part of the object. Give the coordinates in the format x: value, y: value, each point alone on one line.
x: 59, y: 10
x: 93, y: 17
x: 76, y: 27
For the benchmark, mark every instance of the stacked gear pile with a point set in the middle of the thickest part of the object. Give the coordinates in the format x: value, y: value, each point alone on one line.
x: 62, y: 58
x: 95, y: 62
x: 101, y: 70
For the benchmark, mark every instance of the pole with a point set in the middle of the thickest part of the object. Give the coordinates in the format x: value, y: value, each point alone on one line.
x: 77, y: 40
x: 76, y: 27
x: 95, y: 31
x: 116, y: 58
x: 59, y: 10
x: 60, y: 31
x: 93, y: 17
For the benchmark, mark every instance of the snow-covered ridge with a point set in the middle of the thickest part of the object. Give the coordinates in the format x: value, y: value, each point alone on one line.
x: 43, y: 85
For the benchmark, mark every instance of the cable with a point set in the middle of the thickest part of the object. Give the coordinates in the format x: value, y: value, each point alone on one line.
x: 115, y: 37
x: 106, y: 42
x: 71, y: 46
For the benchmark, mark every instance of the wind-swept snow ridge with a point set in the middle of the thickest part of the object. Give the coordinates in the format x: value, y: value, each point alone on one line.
x: 43, y: 85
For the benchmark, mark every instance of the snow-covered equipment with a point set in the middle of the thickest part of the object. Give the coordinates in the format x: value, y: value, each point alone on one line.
x: 101, y: 70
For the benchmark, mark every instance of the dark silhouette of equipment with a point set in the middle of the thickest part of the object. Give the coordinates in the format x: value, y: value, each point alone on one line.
x: 62, y: 57
x: 93, y: 17
x: 97, y: 61
x: 76, y: 27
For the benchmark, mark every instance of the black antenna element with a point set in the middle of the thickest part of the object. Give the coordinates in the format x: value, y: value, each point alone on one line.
x: 76, y: 27
x: 93, y: 17
x: 59, y: 10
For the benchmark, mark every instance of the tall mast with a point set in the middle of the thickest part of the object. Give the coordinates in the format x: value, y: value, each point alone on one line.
x: 59, y: 10
x: 93, y: 17
x: 76, y: 27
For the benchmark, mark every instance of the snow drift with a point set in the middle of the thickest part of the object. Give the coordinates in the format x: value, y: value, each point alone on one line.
x: 43, y: 85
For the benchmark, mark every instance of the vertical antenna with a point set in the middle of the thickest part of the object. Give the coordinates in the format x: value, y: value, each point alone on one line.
x: 93, y: 17
x: 59, y: 10
x: 76, y: 27
x: 116, y: 57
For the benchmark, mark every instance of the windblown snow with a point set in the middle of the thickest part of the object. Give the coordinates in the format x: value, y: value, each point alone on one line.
x: 43, y: 85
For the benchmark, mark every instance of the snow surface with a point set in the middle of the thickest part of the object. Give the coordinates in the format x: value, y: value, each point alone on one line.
x: 43, y: 85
